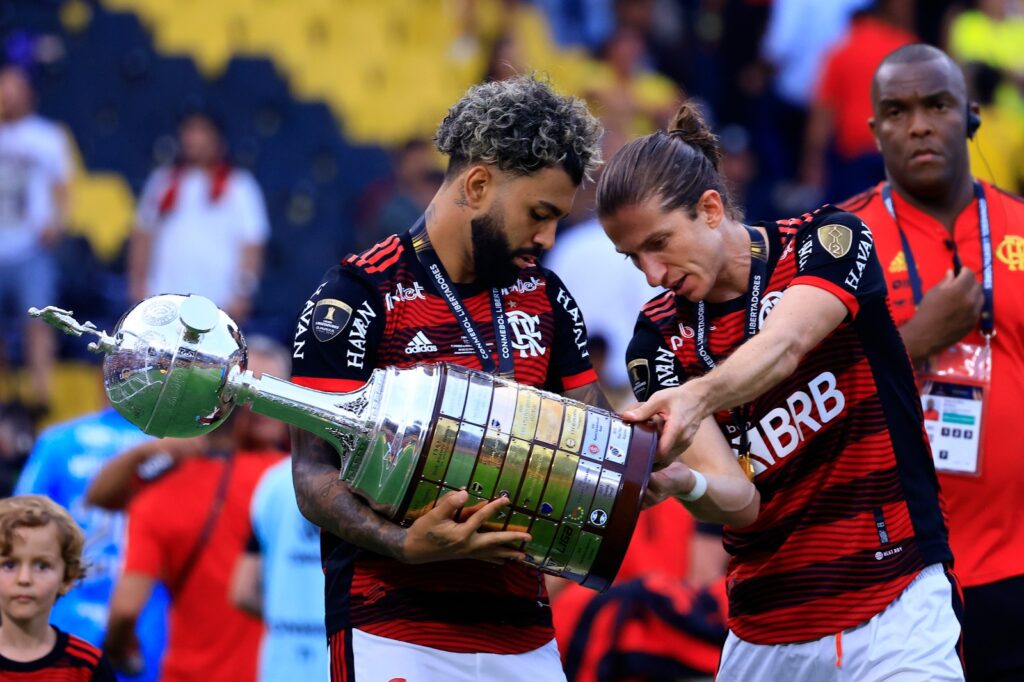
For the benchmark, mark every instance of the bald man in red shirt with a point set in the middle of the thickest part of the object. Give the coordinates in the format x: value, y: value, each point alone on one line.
x: 935, y: 229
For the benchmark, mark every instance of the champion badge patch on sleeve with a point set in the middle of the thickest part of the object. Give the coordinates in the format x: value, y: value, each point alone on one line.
x: 329, y: 317
x: 836, y: 239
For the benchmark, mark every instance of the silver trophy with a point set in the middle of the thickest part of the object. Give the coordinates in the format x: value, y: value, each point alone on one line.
x: 176, y: 366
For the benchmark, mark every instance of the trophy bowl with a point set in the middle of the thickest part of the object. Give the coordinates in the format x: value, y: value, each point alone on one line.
x: 161, y: 378
x: 176, y: 366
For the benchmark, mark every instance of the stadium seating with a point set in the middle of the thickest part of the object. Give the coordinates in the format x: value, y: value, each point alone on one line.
x: 387, y: 68
x: 309, y: 93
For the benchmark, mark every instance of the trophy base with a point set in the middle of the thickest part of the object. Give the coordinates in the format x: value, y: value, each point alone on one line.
x: 575, y: 474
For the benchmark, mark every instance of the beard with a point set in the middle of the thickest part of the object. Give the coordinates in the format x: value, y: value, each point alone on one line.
x: 493, y: 257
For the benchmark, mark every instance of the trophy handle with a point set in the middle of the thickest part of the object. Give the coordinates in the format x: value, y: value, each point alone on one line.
x: 64, y: 321
x: 341, y: 419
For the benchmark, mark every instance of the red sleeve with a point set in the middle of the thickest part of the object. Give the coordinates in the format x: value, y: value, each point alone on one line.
x: 329, y: 385
x: 576, y: 380
x: 145, y: 552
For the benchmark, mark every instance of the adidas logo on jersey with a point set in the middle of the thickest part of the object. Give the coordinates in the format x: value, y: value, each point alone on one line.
x: 420, y: 344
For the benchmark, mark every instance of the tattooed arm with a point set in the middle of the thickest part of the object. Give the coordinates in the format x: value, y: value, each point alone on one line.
x: 328, y: 502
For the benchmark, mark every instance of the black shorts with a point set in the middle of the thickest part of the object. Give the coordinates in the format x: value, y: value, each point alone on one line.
x: 993, y: 622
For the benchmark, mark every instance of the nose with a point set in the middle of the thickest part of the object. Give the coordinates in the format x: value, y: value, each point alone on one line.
x: 24, y: 574
x: 920, y: 122
x: 545, y: 238
x: 653, y: 269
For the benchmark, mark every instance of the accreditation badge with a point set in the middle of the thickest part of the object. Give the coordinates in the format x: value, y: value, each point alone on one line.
x: 954, y: 392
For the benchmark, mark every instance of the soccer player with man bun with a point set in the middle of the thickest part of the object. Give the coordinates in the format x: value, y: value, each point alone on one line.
x: 777, y: 337
x: 440, y: 599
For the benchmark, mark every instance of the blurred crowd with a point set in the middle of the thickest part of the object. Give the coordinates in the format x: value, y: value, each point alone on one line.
x: 786, y: 85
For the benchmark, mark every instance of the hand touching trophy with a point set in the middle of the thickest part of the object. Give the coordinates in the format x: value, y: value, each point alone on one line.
x: 176, y: 366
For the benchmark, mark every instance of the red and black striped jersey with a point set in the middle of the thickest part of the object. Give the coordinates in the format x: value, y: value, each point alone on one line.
x: 378, y: 309
x: 71, y: 660
x: 850, y: 509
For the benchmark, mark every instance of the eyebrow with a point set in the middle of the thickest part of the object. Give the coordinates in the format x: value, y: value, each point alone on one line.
x: 929, y: 96
x: 558, y: 213
x: 646, y: 242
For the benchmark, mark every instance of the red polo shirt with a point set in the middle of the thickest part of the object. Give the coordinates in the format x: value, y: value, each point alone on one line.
x: 846, y: 81
x: 210, y: 639
x: 986, y: 514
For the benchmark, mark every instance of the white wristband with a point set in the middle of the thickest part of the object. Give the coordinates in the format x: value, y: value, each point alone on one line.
x: 700, y: 486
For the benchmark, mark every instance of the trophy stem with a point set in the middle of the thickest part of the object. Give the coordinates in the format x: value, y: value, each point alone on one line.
x: 341, y: 419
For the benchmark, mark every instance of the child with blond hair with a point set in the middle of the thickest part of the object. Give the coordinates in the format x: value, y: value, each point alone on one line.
x: 40, y: 560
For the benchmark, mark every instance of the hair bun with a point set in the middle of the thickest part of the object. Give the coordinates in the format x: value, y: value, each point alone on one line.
x: 689, y: 126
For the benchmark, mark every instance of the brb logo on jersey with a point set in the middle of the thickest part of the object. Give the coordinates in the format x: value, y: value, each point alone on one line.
x: 778, y: 433
x: 526, y: 337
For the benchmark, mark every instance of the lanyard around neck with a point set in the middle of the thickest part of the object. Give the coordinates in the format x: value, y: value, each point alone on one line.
x: 755, y: 286
x: 988, y: 321
x: 447, y: 289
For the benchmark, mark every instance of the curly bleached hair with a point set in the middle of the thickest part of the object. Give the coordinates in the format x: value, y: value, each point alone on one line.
x: 521, y: 126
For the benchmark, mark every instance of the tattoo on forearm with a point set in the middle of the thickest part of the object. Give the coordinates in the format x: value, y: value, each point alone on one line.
x: 328, y: 502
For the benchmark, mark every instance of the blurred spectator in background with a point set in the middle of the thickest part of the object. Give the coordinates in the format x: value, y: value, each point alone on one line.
x: 17, y: 434
x: 506, y: 58
x: 193, y: 547
x: 279, y: 579
x: 584, y: 23
x: 840, y: 156
x: 201, y: 225
x: 997, y: 150
x: 608, y: 290
x: 669, y: 30
x: 798, y: 36
x: 928, y: 222
x: 651, y: 627
x: 417, y: 176
x: 739, y: 168
x: 991, y: 33
x: 663, y: 619
x: 63, y: 462
x: 630, y: 97
x: 35, y: 168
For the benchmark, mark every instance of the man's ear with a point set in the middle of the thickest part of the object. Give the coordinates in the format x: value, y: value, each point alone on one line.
x: 477, y: 183
x: 874, y: 134
x: 712, y: 206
